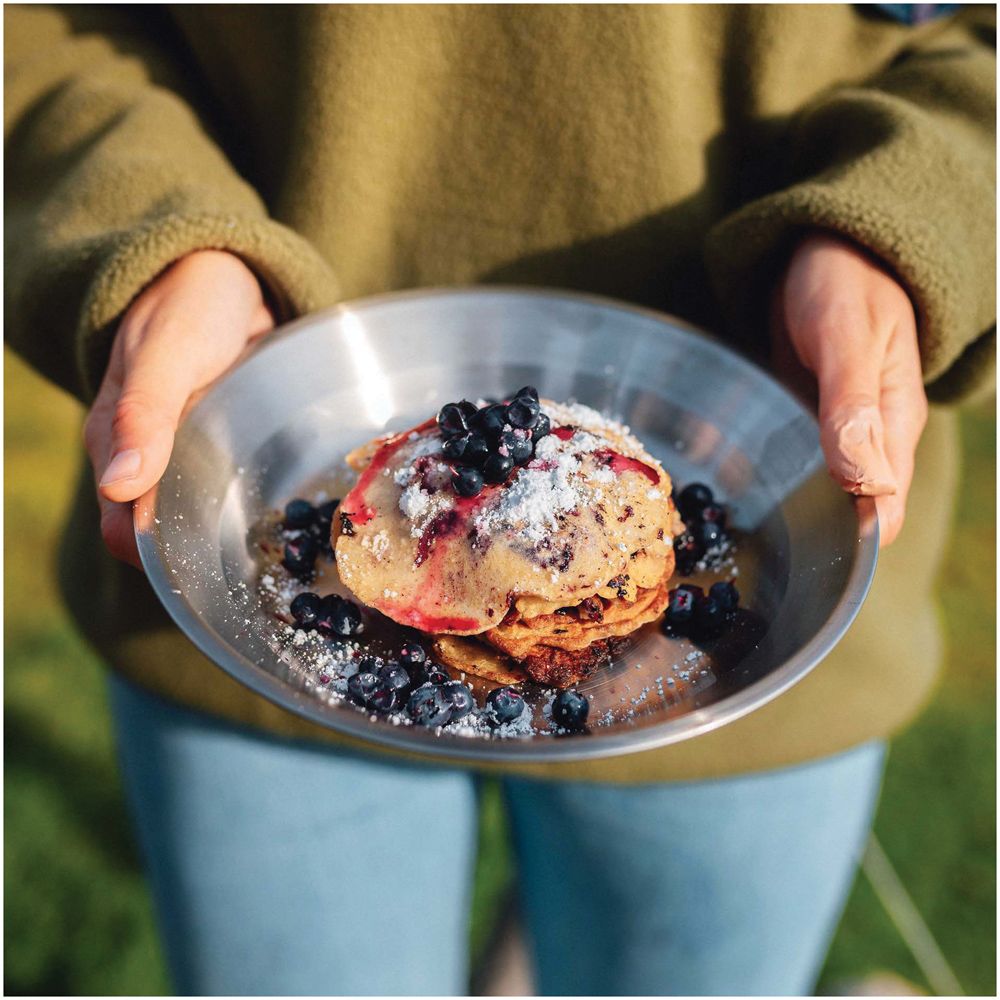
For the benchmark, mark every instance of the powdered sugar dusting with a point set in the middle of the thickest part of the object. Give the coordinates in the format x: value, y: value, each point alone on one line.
x: 414, y: 501
x: 424, y: 478
x: 575, y: 414
x: 536, y: 498
x: 555, y: 482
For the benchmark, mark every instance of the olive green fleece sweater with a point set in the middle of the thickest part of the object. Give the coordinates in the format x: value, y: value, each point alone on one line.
x: 667, y: 155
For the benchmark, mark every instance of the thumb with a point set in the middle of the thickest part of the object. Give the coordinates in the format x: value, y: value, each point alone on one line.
x: 852, y: 433
x: 143, y: 425
x: 161, y: 373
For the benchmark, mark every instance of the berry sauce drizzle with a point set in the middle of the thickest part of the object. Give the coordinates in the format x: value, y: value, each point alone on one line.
x: 450, y: 524
x: 621, y: 463
x: 616, y: 462
x: 408, y: 614
x: 354, y: 506
x: 434, y: 541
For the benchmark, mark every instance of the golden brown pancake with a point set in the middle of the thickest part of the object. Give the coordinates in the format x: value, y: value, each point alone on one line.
x: 570, y: 554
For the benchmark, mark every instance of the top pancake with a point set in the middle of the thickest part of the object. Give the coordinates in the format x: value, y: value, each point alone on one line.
x: 560, y: 530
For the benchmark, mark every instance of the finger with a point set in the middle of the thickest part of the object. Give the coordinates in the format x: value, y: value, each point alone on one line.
x: 116, y: 519
x: 904, y: 414
x: 901, y: 444
x: 852, y: 432
x: 142, y: 428
x: 785, y: 363
x: 853, y: 436
x: 262, y: 322
x: 97, y: 427
x: 117, y: 531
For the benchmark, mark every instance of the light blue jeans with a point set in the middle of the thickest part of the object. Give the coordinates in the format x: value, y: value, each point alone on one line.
x: 290, y: 868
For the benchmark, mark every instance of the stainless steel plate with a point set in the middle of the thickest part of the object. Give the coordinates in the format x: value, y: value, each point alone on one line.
x: 320, y: 386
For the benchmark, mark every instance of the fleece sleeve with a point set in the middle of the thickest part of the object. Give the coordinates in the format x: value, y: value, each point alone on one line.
x: 904, y: 164
x: 111, y: 175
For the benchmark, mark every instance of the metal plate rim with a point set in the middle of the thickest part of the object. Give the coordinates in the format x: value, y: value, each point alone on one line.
x: 513, y: 751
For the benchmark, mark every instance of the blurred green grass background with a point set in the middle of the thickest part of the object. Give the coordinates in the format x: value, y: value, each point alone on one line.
x: 78, y: 918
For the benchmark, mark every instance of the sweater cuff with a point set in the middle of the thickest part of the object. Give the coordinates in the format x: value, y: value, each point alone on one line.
x: 747, y: 252
x: 295, y: 278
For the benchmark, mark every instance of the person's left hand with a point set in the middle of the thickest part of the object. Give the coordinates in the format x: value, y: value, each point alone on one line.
x: 843, y: 318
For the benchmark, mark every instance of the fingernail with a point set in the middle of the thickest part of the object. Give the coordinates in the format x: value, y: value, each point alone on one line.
x: 125, y: 465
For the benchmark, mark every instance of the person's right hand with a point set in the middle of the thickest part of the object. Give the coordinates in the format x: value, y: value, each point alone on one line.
x: 184, y: 330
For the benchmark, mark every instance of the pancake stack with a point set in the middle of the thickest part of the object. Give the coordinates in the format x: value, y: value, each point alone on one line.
x: 540, y: 575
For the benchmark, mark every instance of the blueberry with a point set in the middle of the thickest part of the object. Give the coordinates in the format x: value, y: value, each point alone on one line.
x: 300, y: 555
x: 430, y: 673
x: 396, y: 677
x: 709, y: 617
x: 299, y: 514
x: 503, y: 705
x: 339, y: 617
x: 466, y: 481
x: 526, y: 390
x: 497, y: 468
x: 715, y: 513
x: 454, y: 447
x: 321, y: 527
x: 687, y: 552
x: 709, y: 535
x: 477, y: 450
x: 523, y: 452
x: 490, y: 421
x: 518, y: 445
x: 462, y: 701
x: 725, y: 594
x: 324, y: 618
x: 371, y: 692
x: 452, y: 420
x: 430, y: 706
x: 412, y: 655
x: 523, y: 412
x: 680, y: 612
x: 305, y: 609
x: 325, y: 512
x: 543, y: 427
x: 468, y: 409
x: 368, y: 664
x: 692, y: 499
x: 570, y: 709
x: 694, y: 590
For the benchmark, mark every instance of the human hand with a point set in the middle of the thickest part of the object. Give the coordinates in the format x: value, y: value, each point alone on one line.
x: 840, y: 316
x: 183, y: 331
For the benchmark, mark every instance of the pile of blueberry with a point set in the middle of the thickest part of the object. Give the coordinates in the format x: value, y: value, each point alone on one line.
x: 333, y: 616
x: 424, y: 689
x: 485, y: 444
x: 309, y: 527
x: 691, y: 612
x: 705, y: 527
